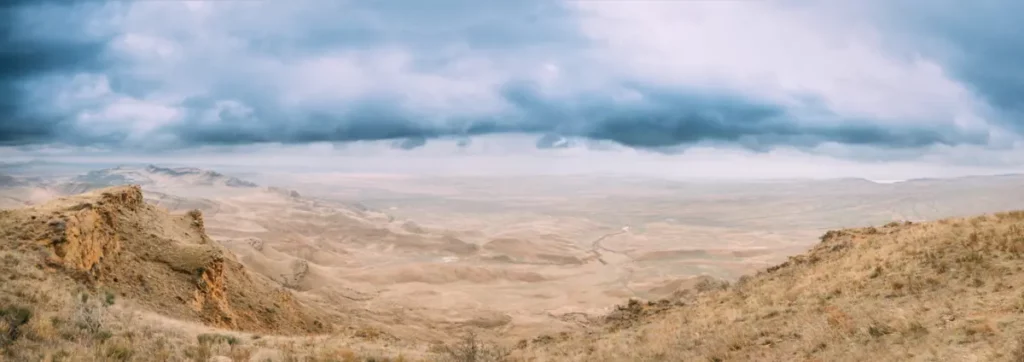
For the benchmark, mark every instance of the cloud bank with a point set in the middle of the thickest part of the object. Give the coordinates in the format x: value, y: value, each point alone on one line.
x: 647, y: 75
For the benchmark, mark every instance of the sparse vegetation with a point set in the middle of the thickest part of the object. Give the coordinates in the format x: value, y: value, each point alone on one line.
x: 109, y: 298
x: 215, y: 338
x: 299, y: 269
x: 470, y: 348
x: 119, y: 350
x: 12, y: 319
x: 949, y: 290
x: 1018, y: 351
x: 899, y: 292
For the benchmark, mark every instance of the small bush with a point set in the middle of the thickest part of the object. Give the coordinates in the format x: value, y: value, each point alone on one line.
x: 199, y: 353
x: 879, y: 330
x: 109, y: 299
x: 61, y: 355
x: 214, y: 338
x: 119, y: 352
x: 11, y: 320
x: 472, y: 349
x: 916, y: 329
x: 88, y: 316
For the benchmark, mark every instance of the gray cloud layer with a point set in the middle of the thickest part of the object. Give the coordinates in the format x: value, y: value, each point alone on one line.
x: 156, y: 74
x: 29, y: 52
x: 981, y: 44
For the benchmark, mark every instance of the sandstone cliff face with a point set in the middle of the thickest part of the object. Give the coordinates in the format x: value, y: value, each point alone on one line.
x: 111, y: 238
x: 84, y: 233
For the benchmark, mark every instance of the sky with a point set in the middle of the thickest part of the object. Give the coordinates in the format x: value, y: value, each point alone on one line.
x: 880, y: 89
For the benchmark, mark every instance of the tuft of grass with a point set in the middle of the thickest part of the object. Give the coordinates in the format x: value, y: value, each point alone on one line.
x: 876, y: 272
x: 1018, y: 352
x: 216, y: 338
x: 878, y: 330
x: 120, y: 351
x: 109, y: 298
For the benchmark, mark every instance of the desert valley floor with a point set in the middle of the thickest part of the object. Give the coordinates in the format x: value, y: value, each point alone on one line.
x: 423, y: 258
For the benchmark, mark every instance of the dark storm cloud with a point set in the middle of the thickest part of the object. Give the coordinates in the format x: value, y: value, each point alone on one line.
x: 215, y: 64
x: 551, y: 140
x: 311, y: 26
x: 368, y: 121
x: 662, y: 118
x: 410, y: 143
x: 669, y: 117
x: 30, y: 50
x: 980, y: 43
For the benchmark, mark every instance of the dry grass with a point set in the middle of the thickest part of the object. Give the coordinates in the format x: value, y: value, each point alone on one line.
x: 63, y: 289
x: 96, y: 332
x: 471, y: 348
x: 948, y: 290
x: 53, y: 319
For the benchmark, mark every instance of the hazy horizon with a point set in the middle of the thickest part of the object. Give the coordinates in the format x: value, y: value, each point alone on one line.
x: 699, y: 90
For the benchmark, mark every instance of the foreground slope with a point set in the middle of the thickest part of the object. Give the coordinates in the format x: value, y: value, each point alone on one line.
x: 945, y: 290
x: 105, y: 276
x: 110, y: 240
x: 951, y: 290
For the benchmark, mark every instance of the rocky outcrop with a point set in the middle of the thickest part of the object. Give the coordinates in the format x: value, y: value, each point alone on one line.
x: 111, y: 238
x: 81, y: 233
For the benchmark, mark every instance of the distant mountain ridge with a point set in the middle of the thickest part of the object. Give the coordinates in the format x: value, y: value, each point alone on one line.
x: 9, y: 181
x: 153, y: 175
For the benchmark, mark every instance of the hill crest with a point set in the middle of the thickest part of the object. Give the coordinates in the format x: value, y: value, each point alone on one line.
x: 940, y: 290
x: 111, y: 239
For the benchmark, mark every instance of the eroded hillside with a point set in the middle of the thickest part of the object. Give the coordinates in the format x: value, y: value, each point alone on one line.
x: 112, y: 238
x: 110, y: 244
x: 106, y: 276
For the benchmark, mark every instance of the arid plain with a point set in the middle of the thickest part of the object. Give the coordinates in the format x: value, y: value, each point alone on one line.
x: 425, y: 258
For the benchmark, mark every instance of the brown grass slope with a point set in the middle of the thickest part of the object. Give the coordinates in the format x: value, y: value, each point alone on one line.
x: 951, y: 290
x: 110, y: 239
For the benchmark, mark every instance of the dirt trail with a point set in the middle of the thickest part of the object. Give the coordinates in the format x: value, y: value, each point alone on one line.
x: 627, y: 273
x: 596, y: 245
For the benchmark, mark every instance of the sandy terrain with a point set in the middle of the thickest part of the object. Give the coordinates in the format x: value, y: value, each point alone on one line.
x: 517, y: 257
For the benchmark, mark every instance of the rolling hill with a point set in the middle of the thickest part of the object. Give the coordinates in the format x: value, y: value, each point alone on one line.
x: 106, y: 276
x: 949, y: 290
